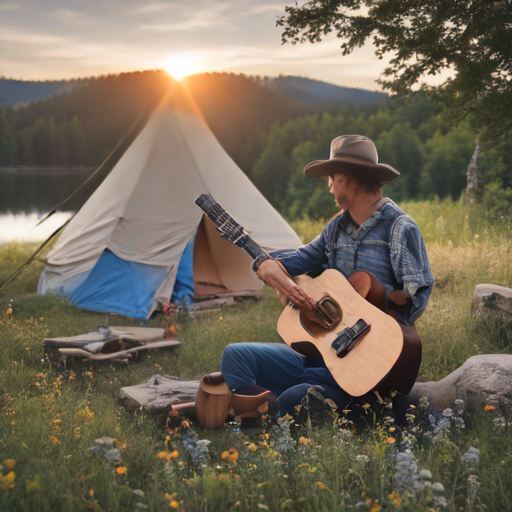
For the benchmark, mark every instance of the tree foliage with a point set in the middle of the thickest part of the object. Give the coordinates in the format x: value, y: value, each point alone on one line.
x: 424, y: 37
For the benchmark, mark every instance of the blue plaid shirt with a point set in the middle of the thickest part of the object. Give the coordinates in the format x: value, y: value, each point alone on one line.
x: 388, y: 244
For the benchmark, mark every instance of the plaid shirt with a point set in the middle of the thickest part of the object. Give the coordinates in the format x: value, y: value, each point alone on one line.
x: 388, y: 244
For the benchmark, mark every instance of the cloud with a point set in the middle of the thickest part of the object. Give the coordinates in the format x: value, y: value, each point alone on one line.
x: 9, y: 7
x: 210, y: 17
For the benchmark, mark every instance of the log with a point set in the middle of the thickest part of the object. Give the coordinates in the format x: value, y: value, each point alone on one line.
x: 480, y: 381
x: 158, y: 394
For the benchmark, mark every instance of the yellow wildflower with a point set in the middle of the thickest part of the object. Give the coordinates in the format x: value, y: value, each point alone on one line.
x: 167, y: 456
x: 9, y: 312
x: 233, y: 456
x: 7, y: 481
x: 252, y: 447
x: 390, y: 440
x: 33, y: 485
x: 185, y: 424
x: 9, y: 464
x: 395, y: 498
x: 225, y: 455
x: 53, y: 439
x: 259, y: 486
x: 121, y: 470
x: 174, y: 504
x: 322, y: 486
x: 303, y: 440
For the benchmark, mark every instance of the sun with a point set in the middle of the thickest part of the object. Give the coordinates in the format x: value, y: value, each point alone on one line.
x: 179, y: 66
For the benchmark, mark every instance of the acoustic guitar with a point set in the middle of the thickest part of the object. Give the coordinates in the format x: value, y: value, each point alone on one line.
x: 355, y: 324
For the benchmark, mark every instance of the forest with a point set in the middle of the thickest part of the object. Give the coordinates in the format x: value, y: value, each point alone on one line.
x: 269, y: 133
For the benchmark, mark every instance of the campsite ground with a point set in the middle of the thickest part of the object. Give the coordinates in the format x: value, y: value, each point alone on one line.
x: 48, y: 421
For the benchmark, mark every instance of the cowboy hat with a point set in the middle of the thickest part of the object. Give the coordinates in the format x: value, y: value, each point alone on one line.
x: 352, y: 153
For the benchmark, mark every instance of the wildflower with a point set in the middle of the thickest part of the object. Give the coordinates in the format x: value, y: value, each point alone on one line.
x: 252, y: 447
x: 9, y: 312
x: 33, y: 485
x: 395, y: 498
x: 225, y: 455
x: 259, y: 486
x: 164, y: 456
x: 366, y: 406
x: 322, y: 486
x: 53, y: 439
x: 390, y: 440
x: 489, y: 408
x: 185, y: 424
x: 7, y: 481
x: 84, y: 414
x: 121, y: 470
x: 303, y: 441
x: 9, y: 464
x: 233, y: 456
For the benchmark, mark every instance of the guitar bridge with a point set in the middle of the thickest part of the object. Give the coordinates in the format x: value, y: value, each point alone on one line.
x: 350, y: 337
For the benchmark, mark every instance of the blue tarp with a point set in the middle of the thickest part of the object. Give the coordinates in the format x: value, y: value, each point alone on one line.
x: 119, y: 286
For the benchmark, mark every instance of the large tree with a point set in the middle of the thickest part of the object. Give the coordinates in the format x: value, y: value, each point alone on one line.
x: 470, y: 37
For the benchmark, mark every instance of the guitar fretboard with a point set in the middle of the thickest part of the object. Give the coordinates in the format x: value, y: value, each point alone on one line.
x: 228, y: 227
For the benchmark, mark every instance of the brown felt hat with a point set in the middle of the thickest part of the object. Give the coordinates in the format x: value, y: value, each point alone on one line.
x: 353, y: 153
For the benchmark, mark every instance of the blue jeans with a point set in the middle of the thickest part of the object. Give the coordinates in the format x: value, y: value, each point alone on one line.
x: 276, y: 367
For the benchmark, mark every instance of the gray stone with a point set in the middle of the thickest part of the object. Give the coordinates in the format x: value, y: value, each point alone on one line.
x: 479, y: 378
x: 491, y: 301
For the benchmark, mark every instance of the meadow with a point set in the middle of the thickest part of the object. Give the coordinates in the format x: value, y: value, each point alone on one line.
x: 49, y: 420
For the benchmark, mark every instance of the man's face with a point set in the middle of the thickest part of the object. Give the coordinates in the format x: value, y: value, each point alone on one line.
x: 343, y: 190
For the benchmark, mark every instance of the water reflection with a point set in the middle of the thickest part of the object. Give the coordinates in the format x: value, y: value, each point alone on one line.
x: 22, y: 227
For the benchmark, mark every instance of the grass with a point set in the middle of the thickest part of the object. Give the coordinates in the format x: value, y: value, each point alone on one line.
x: 49, y: 421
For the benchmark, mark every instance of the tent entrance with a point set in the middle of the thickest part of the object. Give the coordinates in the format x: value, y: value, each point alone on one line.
x: 220, y: 268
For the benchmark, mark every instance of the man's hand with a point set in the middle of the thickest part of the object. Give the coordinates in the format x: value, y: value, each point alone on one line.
x: 272, y: 273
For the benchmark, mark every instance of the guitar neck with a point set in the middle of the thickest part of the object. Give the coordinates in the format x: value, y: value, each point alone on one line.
x: 228, y: 227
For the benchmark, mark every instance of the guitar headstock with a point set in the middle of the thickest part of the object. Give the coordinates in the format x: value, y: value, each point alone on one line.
x: 227, y: 226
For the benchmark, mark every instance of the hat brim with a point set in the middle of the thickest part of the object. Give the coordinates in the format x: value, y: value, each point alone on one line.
x: 320, y: 169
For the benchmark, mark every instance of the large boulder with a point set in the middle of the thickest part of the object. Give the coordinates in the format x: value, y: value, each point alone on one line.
x: 480, y: 381
x: 491, y: 301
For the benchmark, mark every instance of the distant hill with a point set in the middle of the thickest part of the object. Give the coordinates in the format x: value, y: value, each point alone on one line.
x: 81, y: 121
x: 21, y: 92
x: 315, y: 93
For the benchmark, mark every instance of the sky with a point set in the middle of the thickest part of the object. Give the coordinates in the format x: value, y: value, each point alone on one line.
x: 62, y: 39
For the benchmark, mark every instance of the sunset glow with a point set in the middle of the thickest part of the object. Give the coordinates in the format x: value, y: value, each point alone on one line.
x: 180, y: 66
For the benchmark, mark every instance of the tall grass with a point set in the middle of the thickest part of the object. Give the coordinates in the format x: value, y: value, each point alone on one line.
x: 48, y: 421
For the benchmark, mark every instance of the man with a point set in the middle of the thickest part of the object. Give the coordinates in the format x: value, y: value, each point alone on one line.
x: 370, y: 234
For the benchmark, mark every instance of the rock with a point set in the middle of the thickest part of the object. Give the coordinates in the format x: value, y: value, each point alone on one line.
x: 479, y: 378
x: 491, y: 301
x: 158, y: 394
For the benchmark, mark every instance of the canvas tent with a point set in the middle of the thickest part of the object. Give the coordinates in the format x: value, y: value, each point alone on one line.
x: 121, y: 251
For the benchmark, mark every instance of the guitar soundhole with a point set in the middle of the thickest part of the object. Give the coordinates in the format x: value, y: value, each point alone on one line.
x: 314, y: 329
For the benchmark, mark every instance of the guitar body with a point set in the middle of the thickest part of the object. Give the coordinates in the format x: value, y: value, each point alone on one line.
x: 388, y: 355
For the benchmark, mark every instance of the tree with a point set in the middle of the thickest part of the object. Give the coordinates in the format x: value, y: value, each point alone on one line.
x: 471, y: 37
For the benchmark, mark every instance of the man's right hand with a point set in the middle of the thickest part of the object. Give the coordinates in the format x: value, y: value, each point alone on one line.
x: 273, y: 274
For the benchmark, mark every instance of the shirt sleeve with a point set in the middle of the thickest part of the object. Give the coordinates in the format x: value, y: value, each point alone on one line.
x: 411, y: 265
x: 308, y: 258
